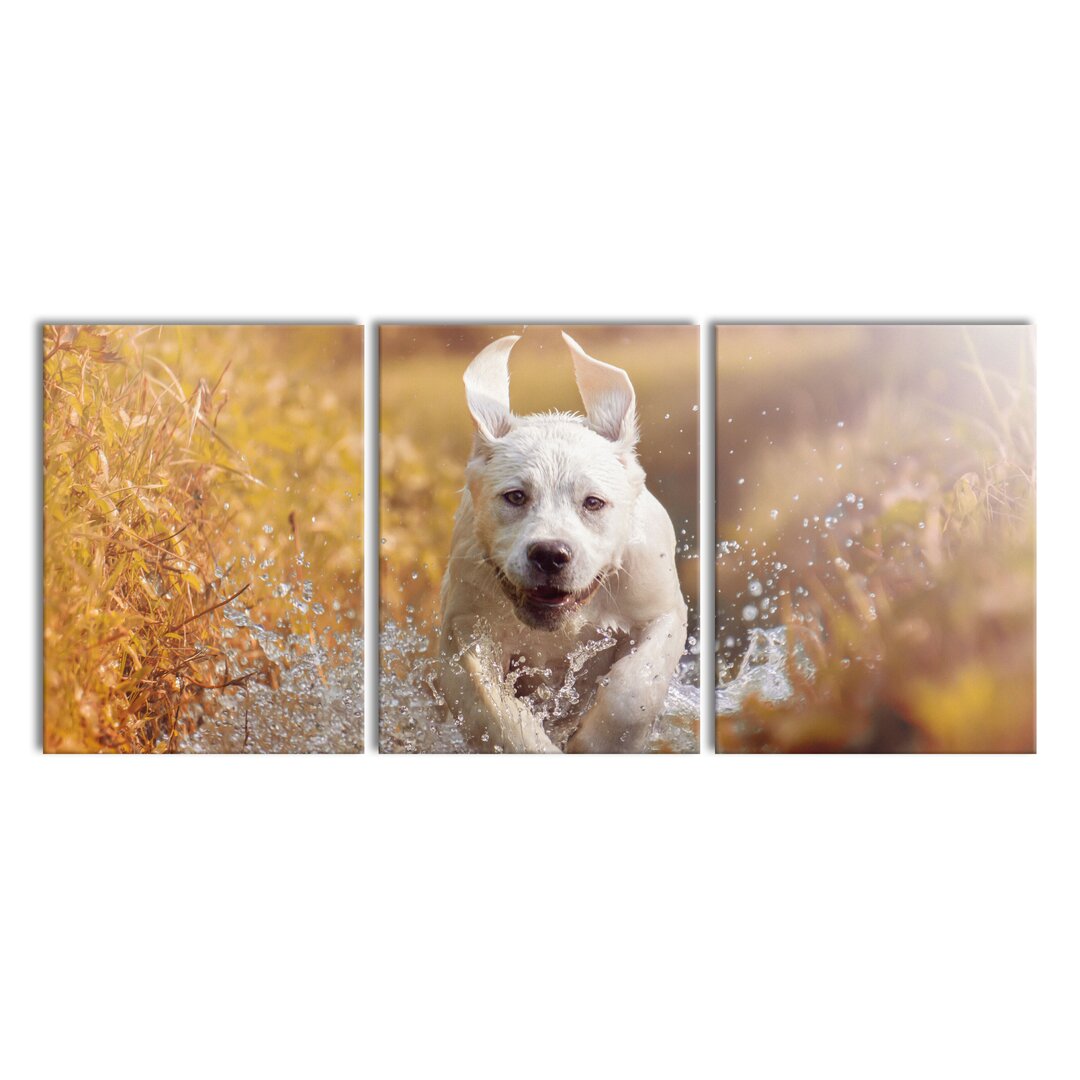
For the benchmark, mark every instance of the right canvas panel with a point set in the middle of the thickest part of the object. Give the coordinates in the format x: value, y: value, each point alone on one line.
x: 875, y: 513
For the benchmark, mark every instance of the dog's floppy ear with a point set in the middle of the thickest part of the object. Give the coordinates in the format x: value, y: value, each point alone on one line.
x: 487, y: 388
x: 607, y: 394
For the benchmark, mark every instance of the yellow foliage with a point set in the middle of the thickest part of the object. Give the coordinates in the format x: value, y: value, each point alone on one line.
x: 965, y: 713
x: 167, y: 451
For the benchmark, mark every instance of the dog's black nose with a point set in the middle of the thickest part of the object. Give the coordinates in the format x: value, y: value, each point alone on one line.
x: 549, y: 556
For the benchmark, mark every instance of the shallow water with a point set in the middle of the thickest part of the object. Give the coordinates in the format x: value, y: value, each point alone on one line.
x: 413, y: 719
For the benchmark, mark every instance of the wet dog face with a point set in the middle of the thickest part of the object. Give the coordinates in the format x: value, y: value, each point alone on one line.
x: 552, y: 495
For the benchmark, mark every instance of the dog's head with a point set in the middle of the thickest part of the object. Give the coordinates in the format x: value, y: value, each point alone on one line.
x: 553, y: 494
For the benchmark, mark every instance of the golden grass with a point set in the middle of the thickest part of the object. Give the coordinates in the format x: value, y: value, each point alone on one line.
x: 176, y: 459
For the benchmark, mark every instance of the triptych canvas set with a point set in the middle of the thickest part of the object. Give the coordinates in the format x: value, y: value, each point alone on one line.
x: 868, y: 585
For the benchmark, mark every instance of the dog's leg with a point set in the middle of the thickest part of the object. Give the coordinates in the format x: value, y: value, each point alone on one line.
x: 619, y: 720
x: 494, y: 719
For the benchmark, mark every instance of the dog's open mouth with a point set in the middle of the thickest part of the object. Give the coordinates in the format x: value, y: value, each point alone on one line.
x: 545, y: 605
x: 548, y: 597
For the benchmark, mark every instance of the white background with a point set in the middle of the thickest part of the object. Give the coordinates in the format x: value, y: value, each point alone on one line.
x: 843, y: 917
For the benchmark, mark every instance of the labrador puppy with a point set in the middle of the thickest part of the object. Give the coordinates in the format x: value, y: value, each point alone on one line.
x: 562, y: 617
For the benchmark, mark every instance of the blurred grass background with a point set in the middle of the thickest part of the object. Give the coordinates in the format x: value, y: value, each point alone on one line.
x: 426, y: 434
x: 876, y: 494
x: 182, y: 464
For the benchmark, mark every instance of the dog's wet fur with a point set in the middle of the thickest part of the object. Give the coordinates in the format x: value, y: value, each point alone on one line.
x: 557, y: 540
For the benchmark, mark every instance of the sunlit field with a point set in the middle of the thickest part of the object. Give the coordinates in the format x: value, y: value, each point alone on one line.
x: 876, y: 538
x: 425, y: 436
x: 202, y: 538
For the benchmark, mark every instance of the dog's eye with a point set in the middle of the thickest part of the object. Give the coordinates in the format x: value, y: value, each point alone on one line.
x: 515, y: 497
x: 593, y: 503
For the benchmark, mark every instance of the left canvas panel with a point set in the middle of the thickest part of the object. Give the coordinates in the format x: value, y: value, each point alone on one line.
x: 203, y: 539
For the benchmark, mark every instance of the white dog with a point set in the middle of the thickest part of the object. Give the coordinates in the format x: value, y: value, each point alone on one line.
x: 561, y: 586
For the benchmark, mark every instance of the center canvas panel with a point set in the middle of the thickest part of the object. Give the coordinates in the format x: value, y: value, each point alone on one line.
x: 538, y: 539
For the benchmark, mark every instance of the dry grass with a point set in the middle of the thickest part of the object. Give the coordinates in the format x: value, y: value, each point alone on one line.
x: 167, y: 453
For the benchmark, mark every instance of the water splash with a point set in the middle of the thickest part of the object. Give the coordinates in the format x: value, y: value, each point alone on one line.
x: 764, y: 672
x: 308, y: 699
x: 414, y: 717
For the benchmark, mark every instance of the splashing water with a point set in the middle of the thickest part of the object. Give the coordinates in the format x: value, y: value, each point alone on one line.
x: 764, y: 672
x: 314, y: 704
x: 413, y: 716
